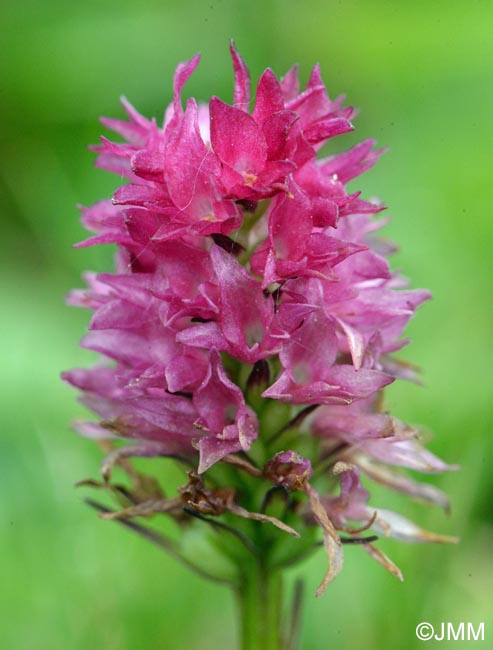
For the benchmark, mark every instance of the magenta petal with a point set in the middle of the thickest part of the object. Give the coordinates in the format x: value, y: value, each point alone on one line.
x: 241, y: 97
x: 328, y: 128
x: 214, y: 449
x: 311, y: 351
x: 289, y: 84
x: 119, y: 314
x: 186, y: 266
x: 276, y: 130
x: 290, y: 225
x: 185, y: 371
x: 169, y: 413
x: 357, y: 383
x: 161, y: 417
x: 134, y: 131
x: 236, y: 138
x: 182, y: 73
x: 333, y: 251
x: 280, y: 389
x: 100, y: 216
x: 148, y: 165
x: 205, y: 335
x: 190, y: 167
x: 269, y: 98
x: 106, y: 238
x: 142, y: 224
x: 299, y: 149
x: 356, y: 342
x: 217, y: 398
x: 341, y: 422
x: 134, y: 114
x: 139, y: 194
x: 352, y: 163
x: 340, y: 384
x: 131, y: 132
x: 231, y: 424
x: 245, y: 311
x: 275, y: 174
x: 325, y: 212
x: 99, y: 380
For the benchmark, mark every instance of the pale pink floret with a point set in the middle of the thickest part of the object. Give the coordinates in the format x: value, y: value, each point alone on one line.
x: 295, y: 247
x: 244, y: 314
x: 231, y: 424
x: 352, y: 502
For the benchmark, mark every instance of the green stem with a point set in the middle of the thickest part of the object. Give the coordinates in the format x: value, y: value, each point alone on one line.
x: 260, y: 603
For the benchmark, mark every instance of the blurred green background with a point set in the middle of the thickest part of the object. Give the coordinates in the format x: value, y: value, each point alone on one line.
x: 421, y: 73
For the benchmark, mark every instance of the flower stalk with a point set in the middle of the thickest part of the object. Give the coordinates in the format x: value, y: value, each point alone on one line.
x: 259, y: 599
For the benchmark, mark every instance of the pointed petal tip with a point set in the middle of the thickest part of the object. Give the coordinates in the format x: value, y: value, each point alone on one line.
x: 196, y: 59
x: 241, y: 95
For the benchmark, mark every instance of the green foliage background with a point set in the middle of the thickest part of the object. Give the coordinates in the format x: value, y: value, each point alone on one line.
x: 421, y: 73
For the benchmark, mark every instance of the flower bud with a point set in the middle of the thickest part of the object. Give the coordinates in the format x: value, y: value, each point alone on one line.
x: 289, y: 469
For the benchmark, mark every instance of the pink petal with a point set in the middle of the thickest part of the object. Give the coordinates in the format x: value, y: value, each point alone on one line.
x: 289, y: 84
x: 276, y: 130
x: 182, y: 73
x: 407, y: 453
x: 190, y: 166
x: 148, y: 165
x: 269, y: 98
x: 390, y: 524
x: 290, y: 224
x: 354, y: 162
x: 327, y: 128
x: 221, y: 406
x: 245, y: 311
x: 241, y: 97
x: 236, y: 138
x: 312, y: 349
x: 217, y: 398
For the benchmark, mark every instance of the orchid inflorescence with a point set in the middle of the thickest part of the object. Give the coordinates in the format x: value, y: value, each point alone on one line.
x: 250, y: 326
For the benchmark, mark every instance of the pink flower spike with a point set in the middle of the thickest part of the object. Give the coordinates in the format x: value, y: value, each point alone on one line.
x: 246, y: 272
